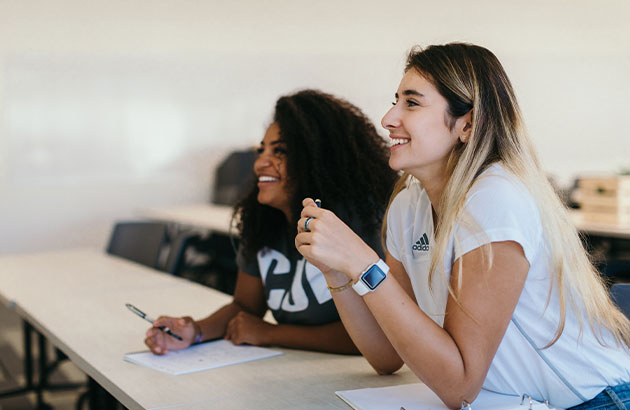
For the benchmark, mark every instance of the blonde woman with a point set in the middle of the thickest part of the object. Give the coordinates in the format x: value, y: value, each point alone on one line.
x: 485, y: 282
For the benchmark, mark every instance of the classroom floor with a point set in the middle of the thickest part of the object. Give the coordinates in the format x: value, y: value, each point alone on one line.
x: 12, y: 370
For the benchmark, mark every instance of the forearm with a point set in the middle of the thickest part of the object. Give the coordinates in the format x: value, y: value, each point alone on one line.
x: 330, y: 338
x: 213, y: 326
x: 427, y: 349
x: 363, y: 328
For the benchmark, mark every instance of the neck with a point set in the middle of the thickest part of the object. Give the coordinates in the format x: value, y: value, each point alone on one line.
x: 287, y: 213
x: 434, y: 190
x: 433, y: 184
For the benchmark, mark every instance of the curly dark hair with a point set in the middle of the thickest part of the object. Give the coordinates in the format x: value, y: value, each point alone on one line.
x: 333, y: 153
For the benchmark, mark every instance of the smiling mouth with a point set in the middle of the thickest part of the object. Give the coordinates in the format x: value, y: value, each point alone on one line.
x: 267, y: 178
x: 399, y: 141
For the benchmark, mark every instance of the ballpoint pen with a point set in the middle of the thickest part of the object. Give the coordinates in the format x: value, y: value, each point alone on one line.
x: 148, y: 319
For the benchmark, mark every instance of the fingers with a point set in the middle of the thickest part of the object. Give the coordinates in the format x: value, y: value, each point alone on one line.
x: 155, y: 341
x: 160, y: 342
x: 244, y: 328
x: 310, y: 218
x: 231, y: 332
x: 308, y: 202
x: 170, y: 322
x: 310, y: 208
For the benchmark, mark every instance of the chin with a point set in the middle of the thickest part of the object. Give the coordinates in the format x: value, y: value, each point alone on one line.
x: 394, y: 165
x: 262, y: 200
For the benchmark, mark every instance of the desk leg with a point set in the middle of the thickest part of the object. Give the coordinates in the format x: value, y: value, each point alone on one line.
x: 28, y: 354
x: 99, y: 398
x: 44, y: 369
x: 27, y: 332
x: 43, y: 372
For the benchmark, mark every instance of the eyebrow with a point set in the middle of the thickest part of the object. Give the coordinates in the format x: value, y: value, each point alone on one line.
x: 274, y: 142
x: 412, y: 92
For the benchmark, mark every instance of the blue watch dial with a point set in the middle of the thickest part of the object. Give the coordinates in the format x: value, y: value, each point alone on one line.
x: 373, y: 277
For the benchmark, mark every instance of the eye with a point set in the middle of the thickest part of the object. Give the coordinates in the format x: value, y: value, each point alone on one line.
x: 411, y: 103
x: 280, y: 151
x: 259, y: 150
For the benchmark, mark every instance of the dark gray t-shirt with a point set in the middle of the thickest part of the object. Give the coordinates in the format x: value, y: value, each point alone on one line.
x: 296, y: 291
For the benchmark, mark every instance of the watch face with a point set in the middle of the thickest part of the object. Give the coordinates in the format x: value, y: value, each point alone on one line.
x: 373, y: 277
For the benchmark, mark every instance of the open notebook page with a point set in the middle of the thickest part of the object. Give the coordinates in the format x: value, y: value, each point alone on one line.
x: 418, y: 396
x: 200, y: 357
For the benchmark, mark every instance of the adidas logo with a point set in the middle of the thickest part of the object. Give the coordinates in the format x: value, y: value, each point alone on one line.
x: 421, y: 244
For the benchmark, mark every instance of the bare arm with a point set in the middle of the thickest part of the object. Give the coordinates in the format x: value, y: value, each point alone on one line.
x: 361, y: 324
x: 248, y: 297
x: 331, y: 337
x: 454, y: 360
x: 241, y: 322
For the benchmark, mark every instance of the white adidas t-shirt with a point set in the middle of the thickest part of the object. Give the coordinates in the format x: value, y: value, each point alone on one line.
x: 571, y: 371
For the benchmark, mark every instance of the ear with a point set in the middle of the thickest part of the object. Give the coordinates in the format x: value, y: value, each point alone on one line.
x: 463, y: 126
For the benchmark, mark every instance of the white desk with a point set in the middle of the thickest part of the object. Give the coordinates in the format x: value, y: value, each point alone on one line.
x: 215, y: 218
x: 600, y: 229
x: 77, y: 300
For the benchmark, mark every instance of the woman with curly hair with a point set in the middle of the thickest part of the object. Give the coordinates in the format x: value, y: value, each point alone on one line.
x: 317, y: 146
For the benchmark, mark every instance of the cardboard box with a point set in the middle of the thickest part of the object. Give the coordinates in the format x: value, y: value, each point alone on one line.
x: 605, y: 200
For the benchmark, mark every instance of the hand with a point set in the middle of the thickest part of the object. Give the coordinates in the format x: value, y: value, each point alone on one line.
x: 160, y: 343
x: 326, y: 270
x: 247, y: 328
x: 331, y: 244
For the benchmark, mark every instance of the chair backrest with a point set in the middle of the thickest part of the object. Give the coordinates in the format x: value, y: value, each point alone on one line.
x: 140, y: 242
x: 620, y: 294
x: 233, y: 177
x: 177, y: 251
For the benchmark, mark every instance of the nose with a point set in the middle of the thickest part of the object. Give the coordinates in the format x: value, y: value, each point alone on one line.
x: 261, y: 162
x: 391, y: 119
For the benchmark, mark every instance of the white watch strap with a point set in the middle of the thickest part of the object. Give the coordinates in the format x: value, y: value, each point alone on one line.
x: 360, y: 287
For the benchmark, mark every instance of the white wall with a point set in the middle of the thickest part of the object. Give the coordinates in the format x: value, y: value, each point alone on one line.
x: 109, y: 106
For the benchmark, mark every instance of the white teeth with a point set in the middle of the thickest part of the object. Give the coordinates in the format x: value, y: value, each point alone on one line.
x: 399, y: 141
x: 265, y: 178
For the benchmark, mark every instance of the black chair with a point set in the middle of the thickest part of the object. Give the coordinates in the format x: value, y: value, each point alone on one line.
x: 209, y: 260
x: 620, y: 294
x: 233, y: 177
x: 178, y: 245
x: 141, y: 242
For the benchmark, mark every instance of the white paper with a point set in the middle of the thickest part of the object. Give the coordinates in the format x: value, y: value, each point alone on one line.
x: 201, y: 357
x: 418, y: 396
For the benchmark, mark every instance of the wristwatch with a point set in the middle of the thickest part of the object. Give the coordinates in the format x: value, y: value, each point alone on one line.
x: 370, y: 278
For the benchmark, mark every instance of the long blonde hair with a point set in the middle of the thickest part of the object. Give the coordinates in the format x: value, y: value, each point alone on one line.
x: 470, y: 77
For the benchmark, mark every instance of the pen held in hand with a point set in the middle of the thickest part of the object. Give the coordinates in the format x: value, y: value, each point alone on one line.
x: 148, y: 319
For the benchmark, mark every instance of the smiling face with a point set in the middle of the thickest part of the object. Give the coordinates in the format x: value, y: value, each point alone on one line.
x: 419, y: 130
x: 271, y: 171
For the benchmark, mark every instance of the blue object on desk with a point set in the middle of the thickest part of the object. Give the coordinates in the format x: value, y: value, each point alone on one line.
x: 620, y: 294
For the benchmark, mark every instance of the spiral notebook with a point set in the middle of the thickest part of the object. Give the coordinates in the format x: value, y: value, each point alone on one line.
x: 418, y: 396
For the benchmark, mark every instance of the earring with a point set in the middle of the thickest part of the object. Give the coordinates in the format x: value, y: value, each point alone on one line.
x: 463, y: 139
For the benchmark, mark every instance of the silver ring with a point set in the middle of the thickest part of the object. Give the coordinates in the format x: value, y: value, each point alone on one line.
x: 306, y: 223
